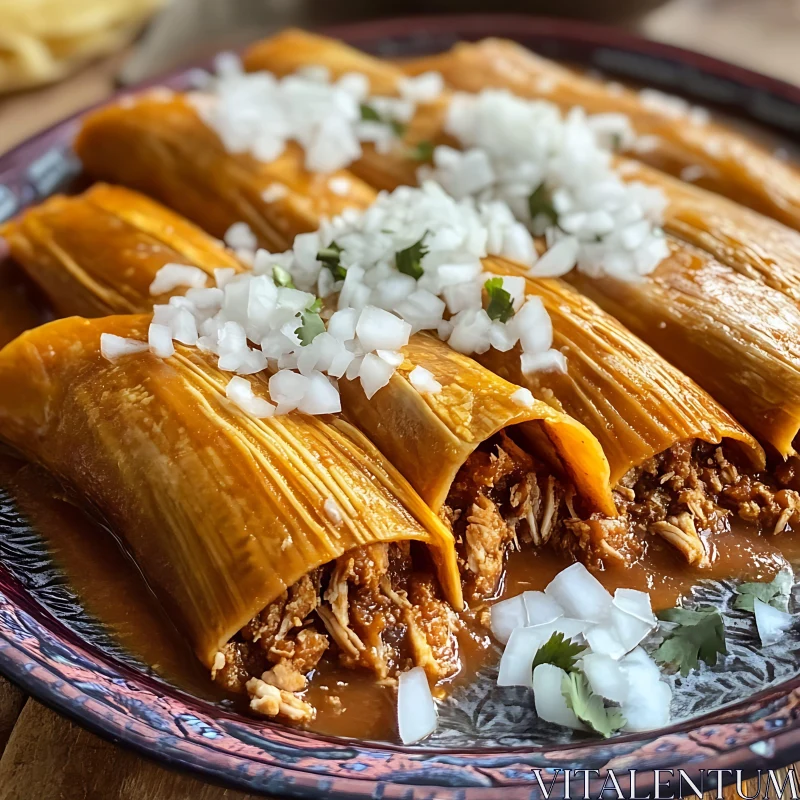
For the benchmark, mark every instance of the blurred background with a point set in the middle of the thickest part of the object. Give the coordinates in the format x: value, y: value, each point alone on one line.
x: 57, y: 56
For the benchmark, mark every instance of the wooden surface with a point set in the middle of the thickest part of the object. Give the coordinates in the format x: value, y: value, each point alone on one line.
x: 46, y: 756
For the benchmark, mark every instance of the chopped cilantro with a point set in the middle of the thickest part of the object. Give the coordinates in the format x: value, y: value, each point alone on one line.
x: 700, y: 636
x: 282, y: 277
x: 500, y: 306
x: 559, y: 651
x: 776, y: 592
x: 541, y: 202
x: 589, y: 707
x: 421, y: 151
x: 329, y: 256
x: 409, y: 261
x: 369, y: 114
x: 398, y: 128
x: 312, y: 324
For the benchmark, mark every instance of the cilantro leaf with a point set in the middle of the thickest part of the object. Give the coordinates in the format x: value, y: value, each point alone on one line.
x: 541, y: 202
x: 422, y: 151
x: 700, y: 636
x: 370, y: 114
x: 312, y: 324
x: 398, y: 128
x: 409, y: 261
x: 329, y: 256
x: 589, y: 707
x: 500, y: 305
x: 776, y: 592
x: 282, y: 277
x: 559, y: 651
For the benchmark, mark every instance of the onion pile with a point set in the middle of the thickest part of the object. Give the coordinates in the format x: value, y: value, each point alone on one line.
x: 577, y: 605
x: 555, y: 173
x: 345, y: 300
x: 259, y: 113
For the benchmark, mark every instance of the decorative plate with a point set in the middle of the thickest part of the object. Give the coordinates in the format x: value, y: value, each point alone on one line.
x: 58, y: 653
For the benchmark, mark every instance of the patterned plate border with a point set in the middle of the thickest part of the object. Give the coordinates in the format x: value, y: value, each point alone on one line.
x: 52, y: 663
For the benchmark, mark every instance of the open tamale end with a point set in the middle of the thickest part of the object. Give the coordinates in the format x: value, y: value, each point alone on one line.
x: 736, y: 338
x: 637, y: 403
x: 430, y: 436
x: 221, y: 512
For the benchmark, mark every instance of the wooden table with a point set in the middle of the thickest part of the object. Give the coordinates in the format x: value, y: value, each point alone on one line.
x: 45, y: 756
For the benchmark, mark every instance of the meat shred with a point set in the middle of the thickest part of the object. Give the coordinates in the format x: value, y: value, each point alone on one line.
x: 363, y: 609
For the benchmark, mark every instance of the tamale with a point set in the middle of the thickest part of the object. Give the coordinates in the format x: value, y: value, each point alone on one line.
x: 67, y: 246
x: 429, y: 438
x: 223, y: 513
x: 173, y: 156
x: 726, y: 162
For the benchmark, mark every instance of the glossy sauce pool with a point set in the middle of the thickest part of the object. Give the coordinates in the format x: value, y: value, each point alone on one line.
x: 113, y: 590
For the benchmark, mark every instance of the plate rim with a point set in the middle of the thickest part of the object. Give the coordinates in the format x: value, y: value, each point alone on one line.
x: 786, y: 742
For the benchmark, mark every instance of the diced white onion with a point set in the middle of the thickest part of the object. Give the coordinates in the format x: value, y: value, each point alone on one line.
x: 159, y: 338
x: 112, y: 347
x: 647, y: 705
x: 240, y: 391
x: 332, y: 510
x: 550, y: 703
x: 771, y: 622
x: 416, y: 710
x: 516, y: 662
x: 172, y: 276
x: 541, y: 608
x: 523, y: 397
x: 240, y: 237
x: 606, y: 677
x: 381, y: 330
x: 423, y: 381
x: 507, y: 615
x: 580, y: 594
x: 374, y: 374
x: 635, y: 603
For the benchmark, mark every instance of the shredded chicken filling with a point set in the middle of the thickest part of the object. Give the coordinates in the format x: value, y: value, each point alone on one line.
x: 689, y: 492
x: 370, y: 607
x: 376, y: 610
x: 502, y: 497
